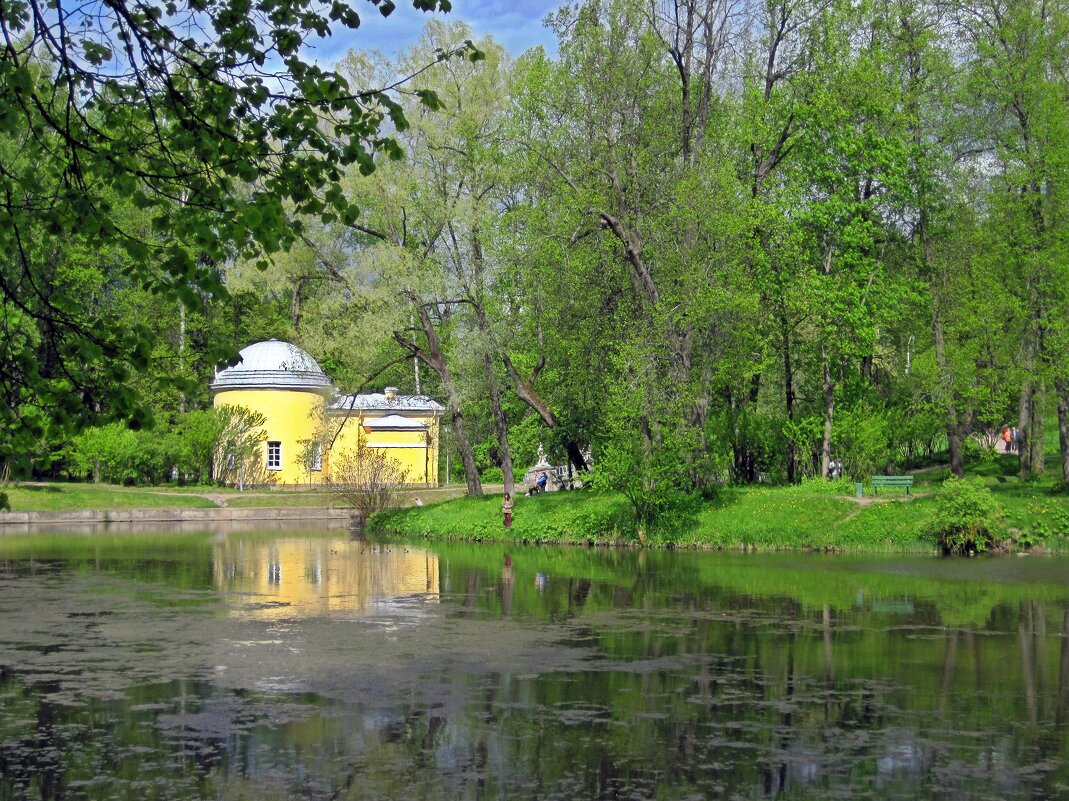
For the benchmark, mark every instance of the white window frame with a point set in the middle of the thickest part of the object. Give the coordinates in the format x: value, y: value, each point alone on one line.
x: 277, y: 464
x: 317, y: 458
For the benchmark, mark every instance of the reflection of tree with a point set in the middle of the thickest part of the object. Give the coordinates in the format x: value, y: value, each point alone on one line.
x: 1063, y: 673
x: 679, y: 687
x: 1028, y: 662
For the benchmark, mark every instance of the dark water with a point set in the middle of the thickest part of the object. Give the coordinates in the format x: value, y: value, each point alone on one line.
x: 284, y: 666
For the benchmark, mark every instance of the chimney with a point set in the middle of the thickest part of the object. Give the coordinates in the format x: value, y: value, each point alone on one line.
x: 391, y: 393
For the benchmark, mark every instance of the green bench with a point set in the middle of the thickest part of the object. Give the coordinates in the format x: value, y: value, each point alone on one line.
x: 891, y: 481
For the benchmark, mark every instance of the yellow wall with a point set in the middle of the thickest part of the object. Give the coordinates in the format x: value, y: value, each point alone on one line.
x: 421, y: 463
x: 294, y: 416
x: 291, y: 416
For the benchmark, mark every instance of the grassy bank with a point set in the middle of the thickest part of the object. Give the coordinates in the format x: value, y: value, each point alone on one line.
x: 77, y: 497
x: 67, y: 497
x: 739, y: 518
x: 810, y: 516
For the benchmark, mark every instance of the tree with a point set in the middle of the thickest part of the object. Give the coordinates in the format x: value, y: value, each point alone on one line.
x: 206, y: 118
x: 239, y: 451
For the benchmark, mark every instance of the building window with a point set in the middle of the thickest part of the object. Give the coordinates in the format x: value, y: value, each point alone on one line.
x: 274, y: 455
x: 317, y: 456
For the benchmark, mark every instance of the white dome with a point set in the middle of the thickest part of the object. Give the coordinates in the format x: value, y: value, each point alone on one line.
x: 272, y: 365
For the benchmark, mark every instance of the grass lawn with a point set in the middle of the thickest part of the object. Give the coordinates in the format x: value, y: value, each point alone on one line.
x: 808, y: 516
x: 280, y: 498
x: 762, y: 518
x: 77, y: 497
x: 64, y: 497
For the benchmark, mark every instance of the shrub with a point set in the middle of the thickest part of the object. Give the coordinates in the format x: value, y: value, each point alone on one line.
x: 966, y: 519
x: 118, y: 455
x: 366, y: 480
x: 493, y: 475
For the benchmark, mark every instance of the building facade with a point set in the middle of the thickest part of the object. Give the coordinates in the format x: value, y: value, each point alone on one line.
x: 306, y: 422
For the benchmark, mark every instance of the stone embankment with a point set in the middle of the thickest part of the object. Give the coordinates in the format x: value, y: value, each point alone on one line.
x: 23, y: 522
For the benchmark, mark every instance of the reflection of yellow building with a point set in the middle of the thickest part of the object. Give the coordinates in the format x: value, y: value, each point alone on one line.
x: 305, y: 421
x: 312, y: 577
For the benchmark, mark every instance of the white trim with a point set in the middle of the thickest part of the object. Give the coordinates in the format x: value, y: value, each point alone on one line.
x: 395, y: 422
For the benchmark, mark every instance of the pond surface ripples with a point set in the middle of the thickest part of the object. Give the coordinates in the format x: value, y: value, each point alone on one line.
x: 264, y: 666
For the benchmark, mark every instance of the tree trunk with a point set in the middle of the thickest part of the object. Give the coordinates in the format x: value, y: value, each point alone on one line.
x: 471, y: 472
x: 788, y: 391
x: 946, y: 381
x: 295, y: 306
x: 500, y: 423
x: 1036, y: 434
x: 433, y: 357
x: 1024, y: 424
x: 1061, y: 387
x: 526, y: 392
x: 829, y: 410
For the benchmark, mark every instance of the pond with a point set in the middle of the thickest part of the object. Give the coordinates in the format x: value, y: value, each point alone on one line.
x: 307, y: 664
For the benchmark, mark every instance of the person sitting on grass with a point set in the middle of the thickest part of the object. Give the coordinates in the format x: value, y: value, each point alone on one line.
x: 542, y: 481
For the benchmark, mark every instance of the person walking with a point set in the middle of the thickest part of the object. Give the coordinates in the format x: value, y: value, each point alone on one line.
x: 506, y: 509
x: 1007, y: 438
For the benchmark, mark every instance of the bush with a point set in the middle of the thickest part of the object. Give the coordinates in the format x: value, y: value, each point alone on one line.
x: 367, y: 480
x: 118, y: 455
x: 493, y: 475
x: 967, y: 518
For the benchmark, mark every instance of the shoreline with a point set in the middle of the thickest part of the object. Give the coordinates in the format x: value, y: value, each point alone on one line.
x: 33, y: 522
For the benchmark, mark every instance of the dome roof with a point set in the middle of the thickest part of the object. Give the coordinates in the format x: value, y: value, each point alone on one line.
x: 272, y: 365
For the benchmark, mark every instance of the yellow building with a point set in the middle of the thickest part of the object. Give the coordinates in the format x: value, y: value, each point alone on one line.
x: 306, y: 421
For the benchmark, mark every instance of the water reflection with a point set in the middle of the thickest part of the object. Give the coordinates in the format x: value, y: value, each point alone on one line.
x: 281, y: 578
x: 298, y: 670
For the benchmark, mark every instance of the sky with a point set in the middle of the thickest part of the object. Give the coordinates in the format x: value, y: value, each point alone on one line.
x: 516, y: 24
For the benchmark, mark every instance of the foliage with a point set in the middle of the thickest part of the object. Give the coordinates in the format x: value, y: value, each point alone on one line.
x: 492, y: 475
x: 117, y: 455
x: 367, y: 480
x: 842, y: 238
x: 967, y: 518
x: 146, y: 147
x: 239, y: 454
x: 862, y: 439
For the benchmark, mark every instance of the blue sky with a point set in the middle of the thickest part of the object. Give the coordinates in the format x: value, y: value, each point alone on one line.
x: 516, y: 24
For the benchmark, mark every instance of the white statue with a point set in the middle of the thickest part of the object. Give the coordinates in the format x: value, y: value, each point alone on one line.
x: 542, y: 462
